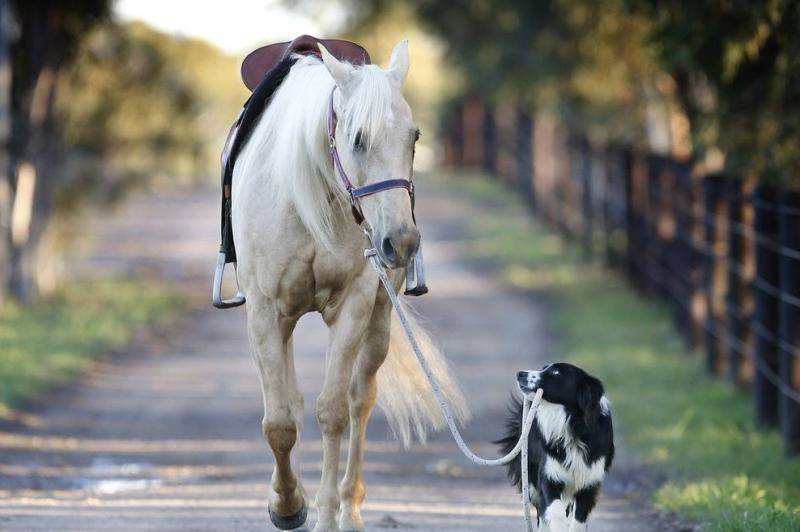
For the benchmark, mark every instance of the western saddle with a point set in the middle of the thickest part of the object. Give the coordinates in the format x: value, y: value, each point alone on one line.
x: 260, y: 61
x: 262, y: 72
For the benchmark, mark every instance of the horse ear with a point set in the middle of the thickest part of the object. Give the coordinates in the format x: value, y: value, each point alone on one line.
x: 398, y: 65
x: 589, y: 400
x: 339, y: 70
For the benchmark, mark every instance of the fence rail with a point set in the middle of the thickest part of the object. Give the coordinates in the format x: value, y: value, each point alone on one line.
x: 722, y: 252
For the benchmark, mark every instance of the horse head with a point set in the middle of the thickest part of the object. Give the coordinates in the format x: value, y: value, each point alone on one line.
x: 374, y: 137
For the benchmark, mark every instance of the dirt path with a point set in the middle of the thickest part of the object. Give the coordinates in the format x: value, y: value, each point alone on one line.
x: 167, y: 437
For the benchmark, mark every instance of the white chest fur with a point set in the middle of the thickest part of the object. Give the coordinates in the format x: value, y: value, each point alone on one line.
x: 574, y: 472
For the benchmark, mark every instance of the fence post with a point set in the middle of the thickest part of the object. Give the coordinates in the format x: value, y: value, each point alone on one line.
x: 631, y: 217
x: 713, y: 326
x: 489, y: 135
x: 734, y: 299
x: 605, y: 203
x: 681, y: 206
x: 789, y: 319
x: 587, y: 219
x: 669, y: 192
x: 458, y: 135
x: 766, y: 308
x: 524, y: 159
x: 697, y: 258
x: 654, y: 278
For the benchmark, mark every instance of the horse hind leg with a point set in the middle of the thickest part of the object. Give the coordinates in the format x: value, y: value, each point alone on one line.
x: 361, y: 398
x: 283, y: 413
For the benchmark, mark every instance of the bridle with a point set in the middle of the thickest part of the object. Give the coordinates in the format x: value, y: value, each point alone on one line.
x: 356, y: 193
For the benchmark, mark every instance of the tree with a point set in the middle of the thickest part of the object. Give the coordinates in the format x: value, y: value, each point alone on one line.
x: 585, y: 60
x: 737, y: 68
x: 48, y: 33
x: 134, y: 106
x: 731, y: 70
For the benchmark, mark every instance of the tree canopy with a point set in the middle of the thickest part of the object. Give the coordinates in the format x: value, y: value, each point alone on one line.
x: 729, y: 69
x: 97, y: 107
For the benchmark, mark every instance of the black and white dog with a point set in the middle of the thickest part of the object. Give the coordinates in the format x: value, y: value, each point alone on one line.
x: 571, y: 444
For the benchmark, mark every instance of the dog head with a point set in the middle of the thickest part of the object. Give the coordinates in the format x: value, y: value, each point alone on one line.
x: 569, y: 386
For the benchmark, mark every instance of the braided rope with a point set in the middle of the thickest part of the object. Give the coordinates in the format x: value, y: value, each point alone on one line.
x: 529, y: 404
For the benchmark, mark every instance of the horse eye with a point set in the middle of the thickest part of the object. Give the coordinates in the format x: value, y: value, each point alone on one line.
x: 358, y: 142
x: 417, y: 135
x: 555, y: 372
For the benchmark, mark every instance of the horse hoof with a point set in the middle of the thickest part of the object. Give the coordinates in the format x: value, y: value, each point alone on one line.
x: 289, y: 522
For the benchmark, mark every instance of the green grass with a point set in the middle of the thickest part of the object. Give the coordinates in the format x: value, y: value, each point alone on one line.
x: 723, y: 473
x: 50, y: 342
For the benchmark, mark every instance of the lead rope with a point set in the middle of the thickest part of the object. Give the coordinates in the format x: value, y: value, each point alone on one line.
x: 529, y: 404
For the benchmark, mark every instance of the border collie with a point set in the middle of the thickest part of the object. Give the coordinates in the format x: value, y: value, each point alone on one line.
x: 571, y: 444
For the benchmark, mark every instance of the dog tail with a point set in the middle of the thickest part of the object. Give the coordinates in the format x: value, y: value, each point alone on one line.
x: 403, y: 390
x: 510, y: 439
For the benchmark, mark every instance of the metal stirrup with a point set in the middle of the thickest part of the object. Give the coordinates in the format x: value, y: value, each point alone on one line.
x: 216, y: 290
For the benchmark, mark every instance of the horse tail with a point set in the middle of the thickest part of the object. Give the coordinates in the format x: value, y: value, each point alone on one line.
x: 404, y: 393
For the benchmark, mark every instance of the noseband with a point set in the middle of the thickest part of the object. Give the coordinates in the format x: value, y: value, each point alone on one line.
x: 354, y: 192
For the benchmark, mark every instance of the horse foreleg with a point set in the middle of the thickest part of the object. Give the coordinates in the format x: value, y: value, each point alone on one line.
x: 346, y: 333
x: 271, y: 344
x: 362, y: 397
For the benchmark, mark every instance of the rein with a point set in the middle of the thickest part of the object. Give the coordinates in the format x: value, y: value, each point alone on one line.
x: 354, y: 192
x: 529, y: 404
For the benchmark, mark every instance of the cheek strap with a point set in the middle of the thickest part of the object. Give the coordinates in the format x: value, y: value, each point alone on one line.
x: 359, y: 192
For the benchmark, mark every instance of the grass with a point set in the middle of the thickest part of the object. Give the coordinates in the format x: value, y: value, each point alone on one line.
x: 723, y: 473
x: 52, y: 341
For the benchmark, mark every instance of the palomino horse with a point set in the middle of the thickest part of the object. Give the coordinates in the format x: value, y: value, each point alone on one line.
x: 300, y: 251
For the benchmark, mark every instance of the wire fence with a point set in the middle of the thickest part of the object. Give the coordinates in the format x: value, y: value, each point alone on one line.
x: 723, y: 253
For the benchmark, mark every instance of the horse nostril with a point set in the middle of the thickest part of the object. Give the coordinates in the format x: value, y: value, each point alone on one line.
x: 522, y: 375
x: 387, y: 248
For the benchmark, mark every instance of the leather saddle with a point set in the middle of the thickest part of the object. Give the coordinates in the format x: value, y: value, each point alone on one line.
x: 260, y: 61
x: 263, y: 70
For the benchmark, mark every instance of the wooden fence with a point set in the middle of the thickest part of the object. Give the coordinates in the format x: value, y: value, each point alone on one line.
x: 723, y: 253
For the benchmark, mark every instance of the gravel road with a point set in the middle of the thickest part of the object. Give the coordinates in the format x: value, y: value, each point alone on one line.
x: 166, y: 436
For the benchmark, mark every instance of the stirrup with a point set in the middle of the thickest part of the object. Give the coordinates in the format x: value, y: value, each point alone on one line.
x: 216, y: 291
x: 415, y: 276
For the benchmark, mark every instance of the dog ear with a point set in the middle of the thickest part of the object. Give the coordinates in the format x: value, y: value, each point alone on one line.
x: 589, y: 400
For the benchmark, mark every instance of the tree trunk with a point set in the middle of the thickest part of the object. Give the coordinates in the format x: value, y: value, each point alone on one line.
x: 5, y: 128
x: 35, y: 60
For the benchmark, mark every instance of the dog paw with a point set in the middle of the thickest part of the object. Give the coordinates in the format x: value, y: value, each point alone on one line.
x: 577, y: 526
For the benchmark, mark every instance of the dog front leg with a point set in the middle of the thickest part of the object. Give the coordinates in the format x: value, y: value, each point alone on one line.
x: 552, y: 512
x: 585, y: 500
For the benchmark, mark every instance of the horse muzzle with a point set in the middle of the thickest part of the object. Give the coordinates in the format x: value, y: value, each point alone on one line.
x: 396, y: 248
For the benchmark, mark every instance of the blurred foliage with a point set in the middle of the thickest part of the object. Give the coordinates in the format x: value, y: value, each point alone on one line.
x: 616, y: 69
x: 98, y: 108
x: 723, y: 471
x: 429, y: 83
x: 737, y: 66
x: 39, y: 39
x: 52, y: 340
x: 584, y: 59
x: 139, y: 105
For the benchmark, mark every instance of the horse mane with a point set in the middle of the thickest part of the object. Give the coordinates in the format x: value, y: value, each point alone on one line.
x: 288, y: 149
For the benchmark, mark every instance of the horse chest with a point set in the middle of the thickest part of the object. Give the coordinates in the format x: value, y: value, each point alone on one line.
x: 315, y: 283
